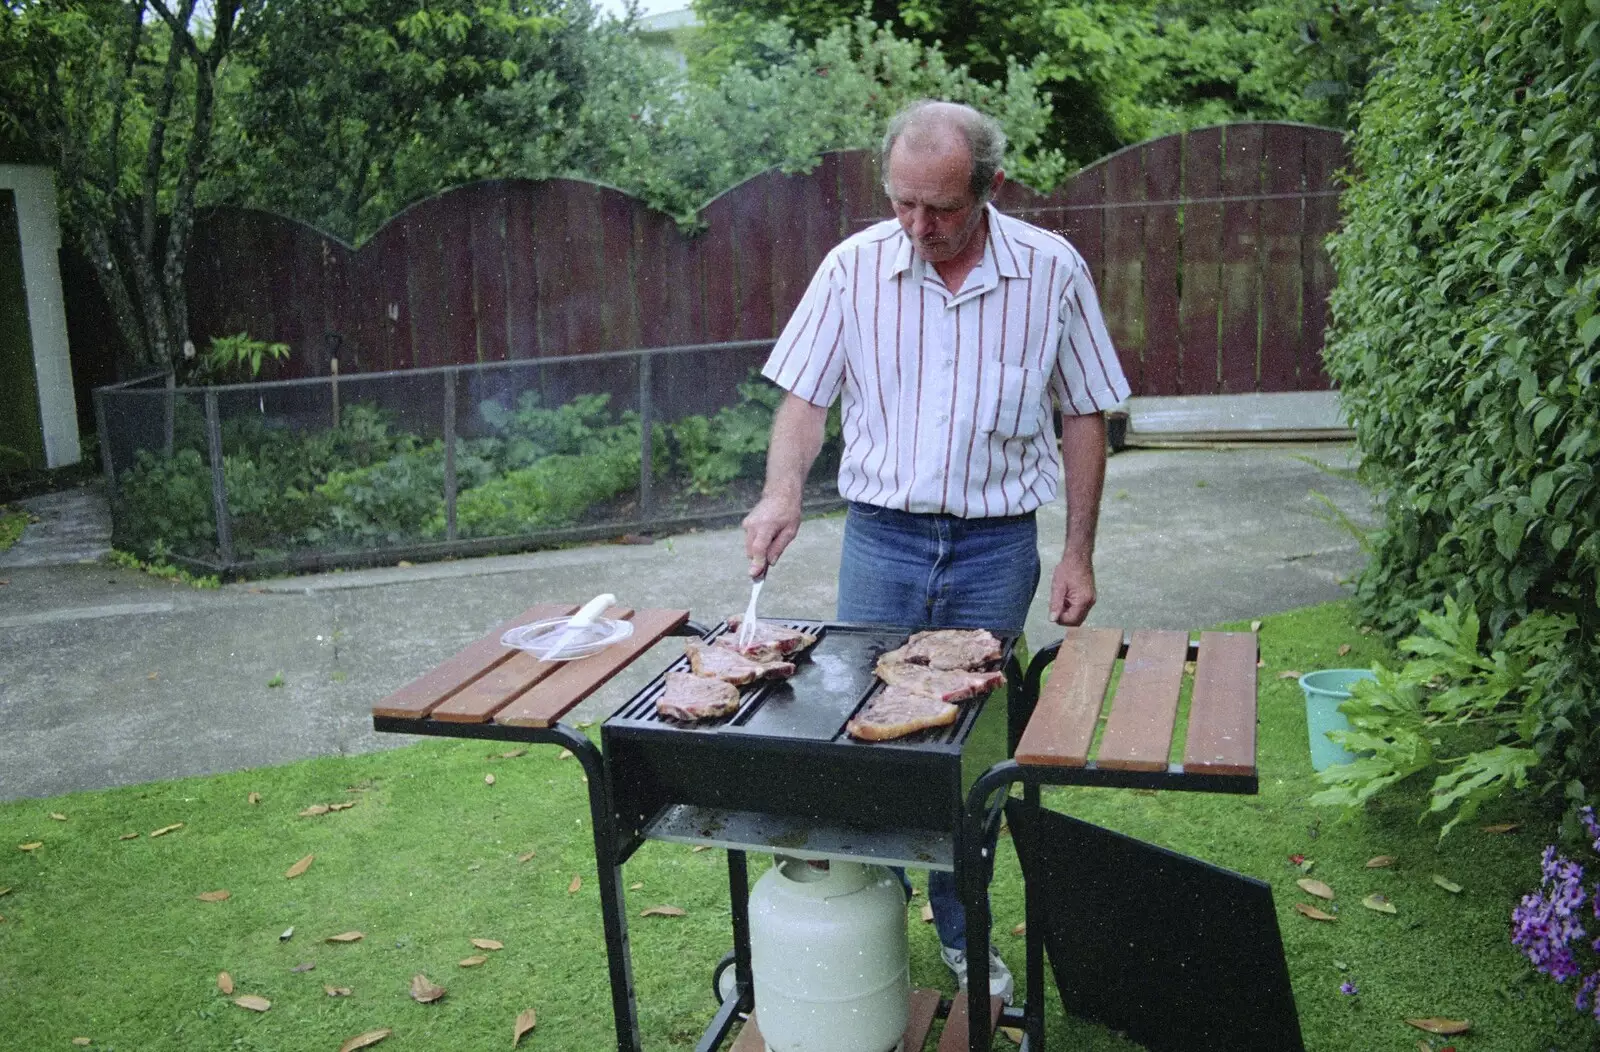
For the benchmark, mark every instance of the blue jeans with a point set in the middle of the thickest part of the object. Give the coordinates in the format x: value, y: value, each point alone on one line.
x: 938, y: 571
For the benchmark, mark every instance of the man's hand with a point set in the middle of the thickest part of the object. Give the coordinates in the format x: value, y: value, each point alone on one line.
x: 1071, y: 591
x: 768, y: 529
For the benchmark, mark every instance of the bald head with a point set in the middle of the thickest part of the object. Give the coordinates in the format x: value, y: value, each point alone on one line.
x: 929, y: 126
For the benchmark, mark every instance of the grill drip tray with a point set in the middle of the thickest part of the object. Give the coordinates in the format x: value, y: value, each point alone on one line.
x: 800, y: 838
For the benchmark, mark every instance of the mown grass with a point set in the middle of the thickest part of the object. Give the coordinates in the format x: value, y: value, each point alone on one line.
x: 105, y: 938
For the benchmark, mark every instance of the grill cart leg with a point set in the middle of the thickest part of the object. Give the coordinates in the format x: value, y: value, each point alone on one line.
x: 1033, y: 915
x: 739, y: 899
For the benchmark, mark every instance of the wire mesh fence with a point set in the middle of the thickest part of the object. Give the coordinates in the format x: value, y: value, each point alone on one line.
x: 285, y: 476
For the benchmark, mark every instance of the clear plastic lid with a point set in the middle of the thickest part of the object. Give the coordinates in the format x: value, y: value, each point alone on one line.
x: 551, y: 641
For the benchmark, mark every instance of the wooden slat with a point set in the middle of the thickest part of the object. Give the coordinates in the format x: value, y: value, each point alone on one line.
x: 1283, y: 175
x: 1222, y: 713
x: 1163, y: 163
x: 1122, y: 279
x: 486, y: 224
x: 522, y: 272
x: 417, y: 698
x: 924, y: 1006
x: 559, y: 692
x: 1241, y: 258
x: 1202, y: 259
x: 1325, y: 155
x: 954, y: 1038
x: 508, y: 680
x: 1062, y: 725
x: 1139, y: 730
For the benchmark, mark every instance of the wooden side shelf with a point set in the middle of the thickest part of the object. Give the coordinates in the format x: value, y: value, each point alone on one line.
x: 924, y: 1009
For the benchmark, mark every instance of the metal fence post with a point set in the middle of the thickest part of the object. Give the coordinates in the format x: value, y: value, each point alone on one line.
x: 219, y: 484
x: 450, y: 455
x: 647, y: 500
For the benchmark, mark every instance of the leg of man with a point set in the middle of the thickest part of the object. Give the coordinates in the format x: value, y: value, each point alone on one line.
x: 939, y: 572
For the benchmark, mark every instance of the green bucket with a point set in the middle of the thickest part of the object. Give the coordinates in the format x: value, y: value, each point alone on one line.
x: 1324, y: 691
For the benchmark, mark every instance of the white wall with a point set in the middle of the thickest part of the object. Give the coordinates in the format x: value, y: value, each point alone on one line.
x: 40, y: 231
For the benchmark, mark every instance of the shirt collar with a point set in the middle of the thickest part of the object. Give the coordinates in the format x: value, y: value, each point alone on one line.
x: 999, y: 253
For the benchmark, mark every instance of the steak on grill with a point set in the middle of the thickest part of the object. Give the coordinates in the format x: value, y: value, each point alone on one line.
x: 769, y: 641
x: 949, y: 648
x: 948, y: 685
x: 689, y: 697
x: 896, y: 712
x: 731, y: 666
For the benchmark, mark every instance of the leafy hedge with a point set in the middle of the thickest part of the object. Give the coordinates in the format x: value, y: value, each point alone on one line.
x: 364, y: 485
x: 1465, y: 342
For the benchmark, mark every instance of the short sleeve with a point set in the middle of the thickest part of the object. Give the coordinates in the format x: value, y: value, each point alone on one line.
x: 1088, y: 377
x: 808, y: 359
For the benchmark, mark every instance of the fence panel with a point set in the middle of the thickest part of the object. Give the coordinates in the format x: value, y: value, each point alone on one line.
x: 1162, y: 372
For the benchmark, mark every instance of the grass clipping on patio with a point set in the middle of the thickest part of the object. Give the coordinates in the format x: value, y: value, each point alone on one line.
x: 409, y: 892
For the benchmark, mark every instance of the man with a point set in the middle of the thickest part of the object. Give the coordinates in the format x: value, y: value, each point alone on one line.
x: 947, y: 332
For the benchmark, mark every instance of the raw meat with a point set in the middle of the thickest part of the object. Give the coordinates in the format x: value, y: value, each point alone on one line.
x: 689, y: 697
x: 731, y: 666
x: 949, y: 648
x: 770, y: 641
x: 948, y: 685
x: 895, y: 712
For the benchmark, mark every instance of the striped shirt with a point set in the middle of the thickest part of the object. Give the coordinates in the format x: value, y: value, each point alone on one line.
x: 946, y: 398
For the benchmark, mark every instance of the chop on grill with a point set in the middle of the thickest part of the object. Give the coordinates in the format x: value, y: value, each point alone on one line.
x: 689, y: 697
x: 769, y: 641
x: 730, y: 666
x: 947, y: 685
x: 896, y: 712
x: 949, y: 648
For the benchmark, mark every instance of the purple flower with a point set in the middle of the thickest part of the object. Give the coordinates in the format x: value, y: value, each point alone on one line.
x: 1348, y: 988
x: 1547, y: 926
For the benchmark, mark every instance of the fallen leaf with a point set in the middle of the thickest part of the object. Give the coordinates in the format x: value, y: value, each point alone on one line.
x: 1312, y: 912
x: 488, y: 944
x: 252, y: 1002
x: 225, y: 982
x: 663, y: 911
x: 314, y: 810
x: 1423, y: 1046
x: 367, y: 1040
x: 472, y: 962
x: 346, y: 936
x: 1500, y: 827
x: 4, y: 892
x: 1315, y: 887
x: 1306, y: 865
x: 214, y: 896
x: 637, y: 885
x: 288, y: 933
x: 299, y: 868
x: 1380, y: 861
x: 488, y: 779
x: 1438, y: 1025
x: 58, y: 816
x: 927, y: 913
x: 1188, y: 668
x: 525, y: 1022
x: 336, y: 991
x: 577, y: 882
x: 153, y: 676
x: 1449, y: 885
x: 699, y: 848
x: 1379, y: 903
x: 1013, y: 1034
x: 164, y: 830
x: 254, y: 798
x: 584, y: 725
x: 307, y: 966
x: 1290, y: 673
x: 342, y: 807
x: 525, y: 856
x: 1021, y: 929
x: 512, y: 755
x: 36, y: 845
x: 1344, y: 648
x: 82, y: 1042
x: 129, y: 836
x: 423, y: 991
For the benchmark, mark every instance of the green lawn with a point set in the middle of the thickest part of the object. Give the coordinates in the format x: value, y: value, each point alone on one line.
x: 105, y: 938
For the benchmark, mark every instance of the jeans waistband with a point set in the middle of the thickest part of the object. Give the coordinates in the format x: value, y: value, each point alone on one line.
x: 909, y: 517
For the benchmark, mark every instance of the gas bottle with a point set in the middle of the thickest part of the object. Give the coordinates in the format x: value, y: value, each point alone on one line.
x: 828, y: 957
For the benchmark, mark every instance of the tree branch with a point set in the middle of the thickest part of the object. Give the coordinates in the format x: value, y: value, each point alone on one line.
x: 119, y: 96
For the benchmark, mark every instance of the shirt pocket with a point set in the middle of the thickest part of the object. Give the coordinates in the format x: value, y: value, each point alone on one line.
x: 1011, y: 403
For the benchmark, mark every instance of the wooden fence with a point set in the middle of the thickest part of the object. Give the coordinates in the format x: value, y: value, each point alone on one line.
x: 1206, y: 247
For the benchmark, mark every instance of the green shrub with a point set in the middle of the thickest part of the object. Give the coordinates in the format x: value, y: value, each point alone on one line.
x: 553, y: 491
x: 1464, y: 343
x: 167, y: 501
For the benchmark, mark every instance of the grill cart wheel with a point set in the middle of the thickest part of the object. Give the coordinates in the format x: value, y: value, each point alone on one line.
x: 724, y: 981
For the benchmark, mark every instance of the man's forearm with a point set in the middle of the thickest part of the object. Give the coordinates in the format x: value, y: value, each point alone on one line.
x: 797, y: 431
x: 1083, y: 453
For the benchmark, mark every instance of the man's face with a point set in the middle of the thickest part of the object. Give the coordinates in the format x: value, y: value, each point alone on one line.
x: 932, y: 196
